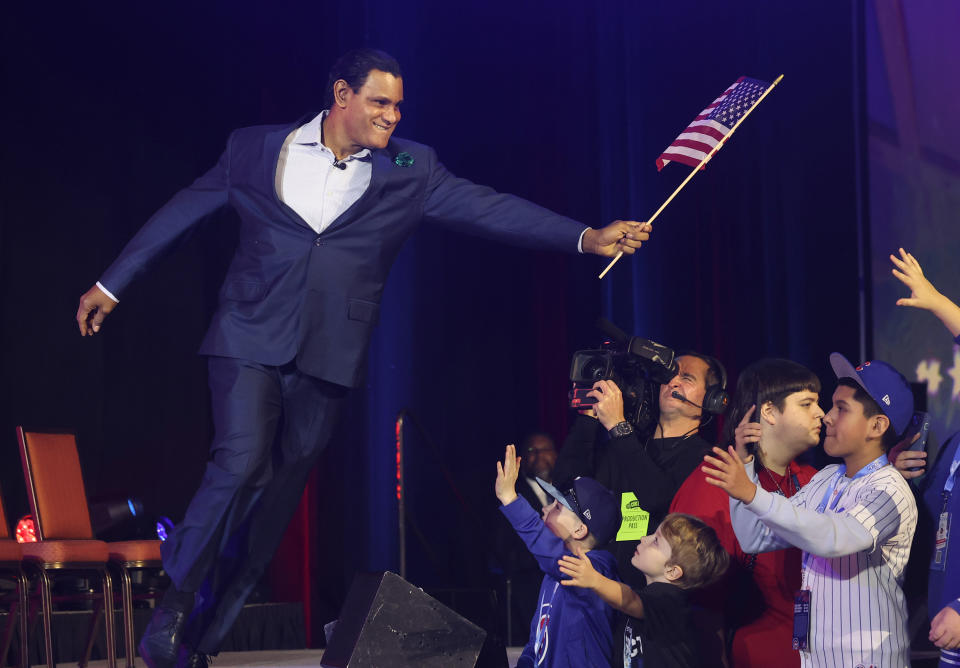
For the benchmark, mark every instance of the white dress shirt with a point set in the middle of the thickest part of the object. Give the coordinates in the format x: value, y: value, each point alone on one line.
x: 312, y: 182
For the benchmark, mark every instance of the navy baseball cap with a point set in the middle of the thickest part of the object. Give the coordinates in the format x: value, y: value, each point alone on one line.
x: 591, y: 502
x: 884, y: 384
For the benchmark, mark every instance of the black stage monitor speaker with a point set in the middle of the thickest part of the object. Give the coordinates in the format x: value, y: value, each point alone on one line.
x: 386, y: 621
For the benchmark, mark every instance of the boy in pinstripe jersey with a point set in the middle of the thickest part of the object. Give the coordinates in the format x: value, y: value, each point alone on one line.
x: 854, y: 523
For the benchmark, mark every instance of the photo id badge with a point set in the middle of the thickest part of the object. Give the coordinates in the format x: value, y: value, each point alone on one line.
x: 801, y: 620
x: 942, y: 541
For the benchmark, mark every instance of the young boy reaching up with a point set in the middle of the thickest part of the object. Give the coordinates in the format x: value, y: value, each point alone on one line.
x: 570, y: 628
x: 683, y: 554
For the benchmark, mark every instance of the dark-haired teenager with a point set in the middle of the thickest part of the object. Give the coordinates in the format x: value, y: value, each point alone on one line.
x: 757, y: 596
x: 854, y: 522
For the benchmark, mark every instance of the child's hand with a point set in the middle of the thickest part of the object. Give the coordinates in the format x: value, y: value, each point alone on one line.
x: 729, y: 474
x: 580, y: 569
x: 505, y: 487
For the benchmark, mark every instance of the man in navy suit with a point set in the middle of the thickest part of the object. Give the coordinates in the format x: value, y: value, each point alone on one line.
x: 325, y: 205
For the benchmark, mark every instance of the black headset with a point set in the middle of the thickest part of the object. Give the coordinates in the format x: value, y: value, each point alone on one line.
x: 715, y: 399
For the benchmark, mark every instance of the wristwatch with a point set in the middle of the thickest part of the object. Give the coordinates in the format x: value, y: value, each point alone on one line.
x: 621, y: 429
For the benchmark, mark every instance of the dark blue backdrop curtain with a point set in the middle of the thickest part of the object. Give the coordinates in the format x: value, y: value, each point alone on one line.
x: 112, y: 107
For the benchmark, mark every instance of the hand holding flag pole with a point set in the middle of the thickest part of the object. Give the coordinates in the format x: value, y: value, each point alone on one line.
x: 707, y: 130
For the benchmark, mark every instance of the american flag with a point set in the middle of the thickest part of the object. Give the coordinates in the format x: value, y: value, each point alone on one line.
x: 713, y: 124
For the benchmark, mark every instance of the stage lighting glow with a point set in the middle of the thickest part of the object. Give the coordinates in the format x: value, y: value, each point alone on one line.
x: 164, y: 528
x: 131, y: 504
x: 25, y: 530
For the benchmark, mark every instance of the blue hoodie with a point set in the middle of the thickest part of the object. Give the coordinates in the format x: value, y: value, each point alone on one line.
x: 572, y: 626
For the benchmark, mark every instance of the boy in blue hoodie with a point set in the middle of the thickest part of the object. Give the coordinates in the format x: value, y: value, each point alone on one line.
x: 572, y: 627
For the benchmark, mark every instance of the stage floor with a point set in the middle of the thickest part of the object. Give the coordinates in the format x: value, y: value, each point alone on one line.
x: 291, y: 658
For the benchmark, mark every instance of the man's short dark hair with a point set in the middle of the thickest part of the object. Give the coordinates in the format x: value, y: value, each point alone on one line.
x: 716, y: 375
x: 354, y: 66
x: 871, y: 408
x: 528, y: 441
x: 770, y: 379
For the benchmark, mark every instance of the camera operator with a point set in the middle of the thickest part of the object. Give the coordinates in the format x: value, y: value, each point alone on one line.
x: 604, y: 445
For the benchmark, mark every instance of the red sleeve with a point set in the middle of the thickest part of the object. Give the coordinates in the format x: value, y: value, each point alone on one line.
x: 711, y: 504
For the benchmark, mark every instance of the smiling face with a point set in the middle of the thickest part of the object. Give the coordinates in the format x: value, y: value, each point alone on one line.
x: 691, y: 382
x: 540, y: 457
x: 369, y: 115
x: 651, y: 556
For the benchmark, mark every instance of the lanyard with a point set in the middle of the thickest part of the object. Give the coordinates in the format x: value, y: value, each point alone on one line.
x: 875, y: 465
x: 948, y: 485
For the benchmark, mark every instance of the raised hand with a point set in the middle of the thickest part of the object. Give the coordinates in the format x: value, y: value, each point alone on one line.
x: 922, y: 293
x: 506, y: 484
x: 729, y: 474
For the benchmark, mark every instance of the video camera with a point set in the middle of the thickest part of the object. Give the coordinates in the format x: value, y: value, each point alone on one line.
x: 638, y: 367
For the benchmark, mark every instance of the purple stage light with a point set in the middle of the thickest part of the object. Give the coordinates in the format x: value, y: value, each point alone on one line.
x: 164, y: 528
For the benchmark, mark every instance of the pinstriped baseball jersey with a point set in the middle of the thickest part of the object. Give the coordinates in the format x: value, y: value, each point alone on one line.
x: 855, y: 553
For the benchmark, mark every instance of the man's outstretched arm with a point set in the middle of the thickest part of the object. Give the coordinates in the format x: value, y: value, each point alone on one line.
x: 171, y: 223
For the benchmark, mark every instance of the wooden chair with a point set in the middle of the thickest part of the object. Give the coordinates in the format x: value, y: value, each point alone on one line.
x: 51, y: 463
x: 10, y: 567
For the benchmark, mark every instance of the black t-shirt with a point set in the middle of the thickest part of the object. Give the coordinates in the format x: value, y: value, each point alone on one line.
x: 665, y: 637
x: 653, y: 469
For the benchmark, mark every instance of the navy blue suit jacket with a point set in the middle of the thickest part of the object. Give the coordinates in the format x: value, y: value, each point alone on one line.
x: 290, y: 293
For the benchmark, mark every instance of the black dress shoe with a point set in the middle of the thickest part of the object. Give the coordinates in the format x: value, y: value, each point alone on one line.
x: 160, y: 643
x: 190, y: 658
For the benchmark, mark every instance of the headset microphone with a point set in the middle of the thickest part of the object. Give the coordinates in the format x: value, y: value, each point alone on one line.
x: 677, y: 395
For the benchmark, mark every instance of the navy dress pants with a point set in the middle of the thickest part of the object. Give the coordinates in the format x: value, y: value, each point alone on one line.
x: 270, y: 425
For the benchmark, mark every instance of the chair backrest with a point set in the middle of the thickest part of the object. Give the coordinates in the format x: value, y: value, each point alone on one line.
x: 51, y: 470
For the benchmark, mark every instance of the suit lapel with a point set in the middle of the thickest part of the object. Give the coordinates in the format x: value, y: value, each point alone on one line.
x: 272, y: 145
x: 380, y: 170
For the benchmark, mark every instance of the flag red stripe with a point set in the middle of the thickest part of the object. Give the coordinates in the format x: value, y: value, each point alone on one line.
x: 679, y: 157
x: 691, y: 144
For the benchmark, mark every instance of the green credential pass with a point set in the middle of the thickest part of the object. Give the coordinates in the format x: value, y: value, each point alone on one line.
x: 636, y: 520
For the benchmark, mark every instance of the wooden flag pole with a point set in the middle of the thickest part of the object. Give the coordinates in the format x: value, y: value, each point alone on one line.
x: 698, y: 167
